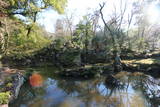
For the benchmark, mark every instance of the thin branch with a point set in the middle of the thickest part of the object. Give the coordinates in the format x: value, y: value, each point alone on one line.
x: 101, y: 7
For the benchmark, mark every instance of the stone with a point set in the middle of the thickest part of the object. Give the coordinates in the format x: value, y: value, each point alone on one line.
x: 11, y: 80
x: 18, y: 82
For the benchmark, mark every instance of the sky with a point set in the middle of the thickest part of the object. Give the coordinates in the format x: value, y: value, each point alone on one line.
x: 79, y: 8
x: 153, y: 12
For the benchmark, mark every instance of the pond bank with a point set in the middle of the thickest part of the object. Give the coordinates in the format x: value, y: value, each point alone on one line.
x: 11, y: 81
x: 150, y: 66
x: 71, y: 62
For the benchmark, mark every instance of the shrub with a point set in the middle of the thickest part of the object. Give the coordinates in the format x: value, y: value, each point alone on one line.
x: 4, y: 97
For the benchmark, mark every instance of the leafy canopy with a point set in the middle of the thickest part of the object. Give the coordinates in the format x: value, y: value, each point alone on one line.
x: 28, y: 7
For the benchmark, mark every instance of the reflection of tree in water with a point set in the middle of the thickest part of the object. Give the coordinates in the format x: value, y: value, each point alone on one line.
x: 114, y: 90
x: 118, y: 89
x: 69, y: 87
x: 123, y: 82
x: 149, y: 86
x: 114, y: 84
x: 91, y: 93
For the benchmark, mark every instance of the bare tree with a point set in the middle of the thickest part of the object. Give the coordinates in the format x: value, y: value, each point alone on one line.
x: 69, y: 23
x: 115, y: 28
x: 117, y: 60
x: 94, y: 21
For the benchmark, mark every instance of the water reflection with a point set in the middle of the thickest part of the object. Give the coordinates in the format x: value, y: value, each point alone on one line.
x: 149, y: 86
x: 120, y: 90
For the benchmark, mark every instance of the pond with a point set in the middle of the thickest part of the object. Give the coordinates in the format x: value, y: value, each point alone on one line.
x: 44, y: 89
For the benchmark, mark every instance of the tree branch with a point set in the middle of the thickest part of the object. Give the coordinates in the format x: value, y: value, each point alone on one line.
x: 101, y: 7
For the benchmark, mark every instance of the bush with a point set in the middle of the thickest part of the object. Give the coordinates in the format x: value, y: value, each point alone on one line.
x: 4, y: 97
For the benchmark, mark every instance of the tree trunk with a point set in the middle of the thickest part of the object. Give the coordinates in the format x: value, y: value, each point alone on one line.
x: 116, y: 58
x: 117, y: 63
x: 7, y: 37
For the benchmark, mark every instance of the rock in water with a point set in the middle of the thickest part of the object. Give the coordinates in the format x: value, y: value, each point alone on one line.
x: 11, y: 80
x: 18, y: 82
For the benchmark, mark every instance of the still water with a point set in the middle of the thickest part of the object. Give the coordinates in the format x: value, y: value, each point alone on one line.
x: 44, y: 89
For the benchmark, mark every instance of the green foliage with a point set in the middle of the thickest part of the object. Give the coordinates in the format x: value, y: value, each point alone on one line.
x: 83, y: 33
x: 58, y: 43
x: 9, y: 85
x: 14, y: 36
x: 101, y: 42
x: 27, y: 46
x: 30, y: 6
x: 21, y: 45
x: 4, y: 97
x: 58, y: 5
x: 69, y: 57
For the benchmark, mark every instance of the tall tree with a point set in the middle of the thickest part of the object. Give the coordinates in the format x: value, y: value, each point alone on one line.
x: 30, y: 8
x: 114, y: 27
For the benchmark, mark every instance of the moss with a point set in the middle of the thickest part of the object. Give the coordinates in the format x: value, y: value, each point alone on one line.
x: 4, y: 97
x: 136, y: 62
x: 9, y: 85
